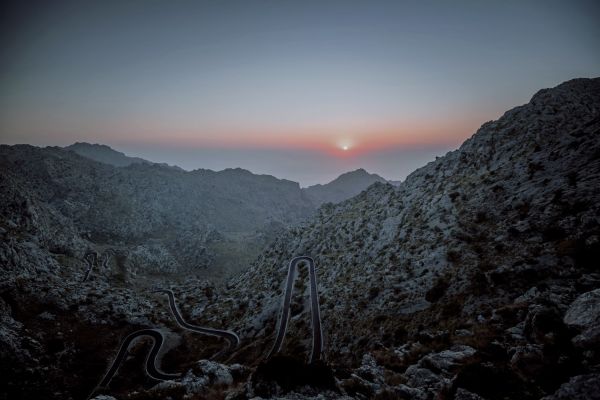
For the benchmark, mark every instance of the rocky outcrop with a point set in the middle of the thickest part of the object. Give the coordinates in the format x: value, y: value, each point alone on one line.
x: 582, y: 387
x: 584, y: 315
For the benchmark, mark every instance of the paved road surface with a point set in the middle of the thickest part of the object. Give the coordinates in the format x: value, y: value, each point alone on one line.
x: 152, y: 368
x: 106, y: 258
x: 90, y: 258
x: 317, y: 343
x: 230, y: 336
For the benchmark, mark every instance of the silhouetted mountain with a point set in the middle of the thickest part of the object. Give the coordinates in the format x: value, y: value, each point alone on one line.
x: 105, y: 154
x: 343, y: 187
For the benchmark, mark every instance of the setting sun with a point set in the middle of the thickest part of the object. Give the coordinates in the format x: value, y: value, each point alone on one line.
x: 345, y: 145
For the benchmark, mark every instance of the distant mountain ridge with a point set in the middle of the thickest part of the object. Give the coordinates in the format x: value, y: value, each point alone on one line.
x: 343, y: 187
x: 105, y: 154
x: 164, y: 218
x: 161, y: 219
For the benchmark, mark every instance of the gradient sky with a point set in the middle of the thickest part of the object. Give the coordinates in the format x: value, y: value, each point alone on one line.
x: 281, y: 87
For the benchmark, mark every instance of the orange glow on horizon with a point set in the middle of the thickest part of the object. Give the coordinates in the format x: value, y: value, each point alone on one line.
x: 335, y: 140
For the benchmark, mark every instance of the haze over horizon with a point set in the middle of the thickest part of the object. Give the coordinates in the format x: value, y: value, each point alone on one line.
x: 302, y: 91
x: 303, y: 166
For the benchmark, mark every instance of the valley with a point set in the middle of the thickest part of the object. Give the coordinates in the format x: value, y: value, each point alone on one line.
x: 476, y: 278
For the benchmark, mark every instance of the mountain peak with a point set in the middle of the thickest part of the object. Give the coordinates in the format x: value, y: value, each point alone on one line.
x: 104, y: 154
x: 359, y: 173
x: 343, y: 187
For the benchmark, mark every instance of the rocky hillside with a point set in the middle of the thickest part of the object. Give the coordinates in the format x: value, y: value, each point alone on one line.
x: 475, y: 278
x: 342, y: 188
x: 158, y: 218
x: 161, y: 218
x: 104, y: 154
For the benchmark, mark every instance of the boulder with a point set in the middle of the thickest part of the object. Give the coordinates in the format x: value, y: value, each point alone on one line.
x: 584, y: 315
x: 581, y: 387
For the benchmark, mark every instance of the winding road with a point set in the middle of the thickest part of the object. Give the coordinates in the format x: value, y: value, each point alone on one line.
x: 230, y: 336
x: 317, y: 342
x: 151, y: 367
x: 90, y: 258
x: 106, y: 257
x: 158, y: 340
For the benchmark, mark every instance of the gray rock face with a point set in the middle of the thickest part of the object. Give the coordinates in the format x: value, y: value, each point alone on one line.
x: 205, y: 376
x: 448, y: 360
x: 582, y: 387
x: 584, y: 314
x: 462, y: 394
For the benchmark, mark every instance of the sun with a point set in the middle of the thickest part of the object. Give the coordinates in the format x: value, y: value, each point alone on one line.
x: 345, y: 145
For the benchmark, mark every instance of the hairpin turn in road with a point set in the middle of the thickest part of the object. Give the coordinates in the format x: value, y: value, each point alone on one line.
x: 317, y: 342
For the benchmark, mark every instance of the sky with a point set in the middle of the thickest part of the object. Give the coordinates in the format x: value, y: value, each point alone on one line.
x: 297, y: 89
